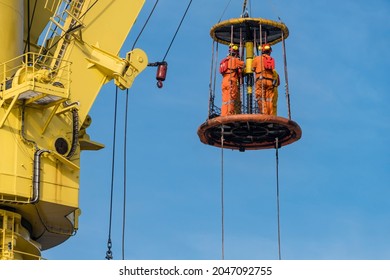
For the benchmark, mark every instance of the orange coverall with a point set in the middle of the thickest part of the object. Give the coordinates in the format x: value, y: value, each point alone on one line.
x: 230, y: 87
x: 263, y: 67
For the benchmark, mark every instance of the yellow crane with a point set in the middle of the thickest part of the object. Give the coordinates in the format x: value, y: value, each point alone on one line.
x: 55, y: 57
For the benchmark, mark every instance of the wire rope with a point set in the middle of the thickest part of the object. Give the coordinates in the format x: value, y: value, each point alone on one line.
x: 146, y: 22
x: 29, y: 24
x: 109, y: 255
x: 222, y: 198
x: 278, y: 195
x: 223, y: 12
x: 244, y: 9
x: 244, y: 6
x: 177, y: 30
x: 124, y: 177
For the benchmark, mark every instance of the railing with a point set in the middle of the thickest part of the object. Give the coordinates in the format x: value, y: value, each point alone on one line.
x: 33, y: 69
x: 29, y: 79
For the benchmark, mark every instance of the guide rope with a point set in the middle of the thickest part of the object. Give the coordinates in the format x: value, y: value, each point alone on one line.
x: 109, y: 255
x: 277, y: 194
x: 124, y: 177
x: 222, y: 197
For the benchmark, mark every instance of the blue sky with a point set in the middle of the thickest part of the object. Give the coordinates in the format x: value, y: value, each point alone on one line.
x: 334, y: 182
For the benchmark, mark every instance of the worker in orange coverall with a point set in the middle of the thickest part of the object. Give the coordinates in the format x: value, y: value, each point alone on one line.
x: 231, y: 70
x: 267, y: 81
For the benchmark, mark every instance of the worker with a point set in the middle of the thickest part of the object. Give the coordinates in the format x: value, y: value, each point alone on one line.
x: 266, y: 80
x: 231, y: 70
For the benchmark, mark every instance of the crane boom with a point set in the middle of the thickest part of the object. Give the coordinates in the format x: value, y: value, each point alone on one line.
x: 46, y: 93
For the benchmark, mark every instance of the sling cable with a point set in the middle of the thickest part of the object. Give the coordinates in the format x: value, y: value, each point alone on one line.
x: 161, y: 75
x: 247, y: 118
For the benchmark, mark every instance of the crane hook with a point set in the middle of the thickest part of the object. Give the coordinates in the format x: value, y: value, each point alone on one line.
x: 162, y: 68
x: 161, y: 73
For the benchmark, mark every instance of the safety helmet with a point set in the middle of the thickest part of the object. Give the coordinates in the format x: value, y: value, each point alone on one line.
x: 265, y: 48
x: 233, y: 49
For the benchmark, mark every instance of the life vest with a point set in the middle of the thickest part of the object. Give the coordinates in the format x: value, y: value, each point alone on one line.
x: 268, y: 62
x: 224, y: 65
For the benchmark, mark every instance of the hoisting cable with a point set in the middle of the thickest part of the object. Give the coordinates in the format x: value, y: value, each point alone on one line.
x: 146, y: 22
x: 109, y: 242
x: 162, y: 66
x: 222, y: 198
x: 224, y: 11
x: 29, y: 24
x: 277, y: 194
x: 125, y: 147
x: 124, y: 177
x: 244, y: 7
x: 177, y: 30
x: 244, y: 13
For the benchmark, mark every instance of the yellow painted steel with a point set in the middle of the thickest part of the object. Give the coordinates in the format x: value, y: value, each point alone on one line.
x: 39, y: 23
x: 97, y: 45
x: 248, y: 63
x: 252, y: 23
x: 11, y: 31
x: 249, y: 57
x: 15, y: 241
x: 45, y: 98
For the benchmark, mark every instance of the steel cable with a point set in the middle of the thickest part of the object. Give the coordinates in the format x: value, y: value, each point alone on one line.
x: 124, y: 177
x: 109, y: 255
x: 277, y: 195
x: 222, y: 197
x: 146, y: 22
x: 177, y: 30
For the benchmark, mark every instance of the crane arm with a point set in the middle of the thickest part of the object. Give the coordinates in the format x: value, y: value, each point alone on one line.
x: 46, y: 94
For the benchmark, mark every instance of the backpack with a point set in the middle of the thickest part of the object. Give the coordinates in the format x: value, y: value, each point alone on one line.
x: 268, y: 62
x: 224, y: 65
